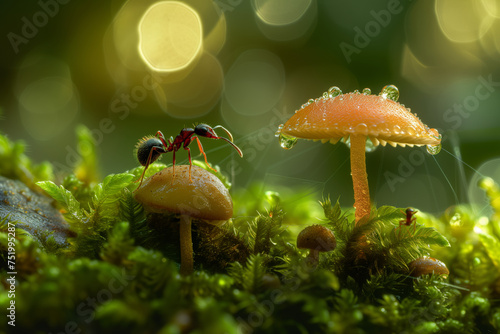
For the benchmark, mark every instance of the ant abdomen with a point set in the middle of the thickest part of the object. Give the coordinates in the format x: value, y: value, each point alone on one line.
x: 145, y: 148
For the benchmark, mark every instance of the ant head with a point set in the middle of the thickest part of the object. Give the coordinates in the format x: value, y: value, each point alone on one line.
x: 146, y: 147
x: 204, y: 130
x: 411, y: 211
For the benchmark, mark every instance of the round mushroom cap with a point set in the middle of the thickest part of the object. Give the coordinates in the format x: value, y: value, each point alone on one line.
x: 316, y: 237
x: 383, y: 120
x: 204, y: 198
x: 427, y: 265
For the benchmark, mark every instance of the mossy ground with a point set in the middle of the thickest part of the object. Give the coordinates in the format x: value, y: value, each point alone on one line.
x: 120, y: 273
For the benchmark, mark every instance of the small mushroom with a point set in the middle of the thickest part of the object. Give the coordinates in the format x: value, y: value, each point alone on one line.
x: 427, y: 265
x: 316, y: 238
x: 205, y: 198
x: 358, y: 116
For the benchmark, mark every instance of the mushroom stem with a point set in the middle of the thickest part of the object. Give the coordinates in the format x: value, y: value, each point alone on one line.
x: 186, y: 246
x: 359, y: 177
x: 313, y: 257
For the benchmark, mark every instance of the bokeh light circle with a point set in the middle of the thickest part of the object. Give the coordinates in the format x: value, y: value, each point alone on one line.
x: 47, y: 106
x: 462, y: 21
x: 170, y: 36
x: 285, y: 20
x: 281, y: 12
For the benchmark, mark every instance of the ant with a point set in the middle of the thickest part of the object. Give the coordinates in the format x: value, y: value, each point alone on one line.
x: 150, y: 148
x: 409, y: 213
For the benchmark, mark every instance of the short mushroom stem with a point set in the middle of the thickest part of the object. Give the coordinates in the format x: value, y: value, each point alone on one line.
x: 313, y: 257
x: 186, y: 246
x: 359, y: 177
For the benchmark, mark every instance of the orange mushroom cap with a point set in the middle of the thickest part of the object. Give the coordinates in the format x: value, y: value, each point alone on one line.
x: 378, y: 117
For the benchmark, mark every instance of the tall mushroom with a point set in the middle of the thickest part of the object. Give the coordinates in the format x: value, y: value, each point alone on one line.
x: 357, y: 116
x: 205, y: 198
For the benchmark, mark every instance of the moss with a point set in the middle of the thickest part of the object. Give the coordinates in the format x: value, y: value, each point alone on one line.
x: 119, y: 270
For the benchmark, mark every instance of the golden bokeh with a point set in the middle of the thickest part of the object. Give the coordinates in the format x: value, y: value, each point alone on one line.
x: 281, y: 12
x: 458, y: 39
x: 170, y: 36
x: 462, y: 21
x: 492, y: 6
x: 285, y: 20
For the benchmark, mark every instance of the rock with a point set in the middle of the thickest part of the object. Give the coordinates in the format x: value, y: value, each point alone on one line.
x: 32, y: 212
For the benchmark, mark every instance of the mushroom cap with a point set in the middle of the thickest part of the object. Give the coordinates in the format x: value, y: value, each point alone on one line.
x: 204, y: 198
x: 376, y: 116
x: 427, y: 265
x: 317, y: 237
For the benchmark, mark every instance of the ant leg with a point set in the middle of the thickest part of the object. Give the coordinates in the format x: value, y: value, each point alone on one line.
x: 202, y: 151
x: 173, y: 165
x: 148, y: 162
x: 190, y: 163
x: 161, y: 137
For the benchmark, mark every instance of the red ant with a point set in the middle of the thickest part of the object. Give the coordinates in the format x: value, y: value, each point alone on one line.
x: 149, y: 149
x: 409, y: 213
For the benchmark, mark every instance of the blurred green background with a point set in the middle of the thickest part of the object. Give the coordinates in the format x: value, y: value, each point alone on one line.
x: 127, y: 69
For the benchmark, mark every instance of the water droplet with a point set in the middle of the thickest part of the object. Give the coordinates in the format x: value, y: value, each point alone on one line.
x: 367, y: 91
x: 434, y: 133
x: 334, y: 91
x: 280, y: 127
x: 361, y: 128
x: 310, y: 101
x: 326, y: 95
x: 287, y: 142
x: 390, y: 92
x: 433, y: 149
x: 456, y: 220
x: 356, y: 91
x: 410, y: 131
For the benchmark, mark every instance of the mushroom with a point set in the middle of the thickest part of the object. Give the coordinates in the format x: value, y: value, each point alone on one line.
x: 316, y: 238
x: 427, y: 265
x: 205, y: 199
x: 355, y: 117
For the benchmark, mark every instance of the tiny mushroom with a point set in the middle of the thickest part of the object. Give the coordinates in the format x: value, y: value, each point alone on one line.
x: 355, y: 117
x: 316, y: 238
x: 427, y: 265
x: 205, y: 198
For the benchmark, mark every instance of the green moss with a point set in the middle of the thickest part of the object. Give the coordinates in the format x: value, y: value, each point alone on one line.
x: 120, y: 272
